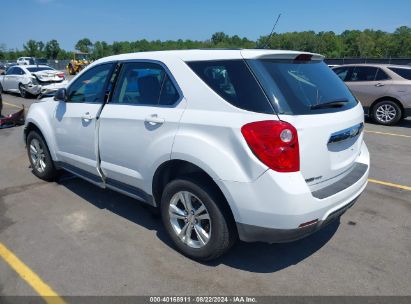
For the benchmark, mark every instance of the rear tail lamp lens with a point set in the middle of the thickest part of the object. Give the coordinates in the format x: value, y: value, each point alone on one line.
x: 275, y: 143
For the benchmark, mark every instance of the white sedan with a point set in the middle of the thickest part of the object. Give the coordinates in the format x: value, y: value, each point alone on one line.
x: 32, y: 80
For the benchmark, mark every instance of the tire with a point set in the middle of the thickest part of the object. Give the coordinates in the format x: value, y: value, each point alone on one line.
x: 386, y: 113
x: 22, y: 90
x: 1, y: 88
x: 39, y: 156
x: 219, y: 226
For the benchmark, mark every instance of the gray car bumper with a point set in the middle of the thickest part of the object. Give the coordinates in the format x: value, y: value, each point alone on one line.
x: 251, y: 233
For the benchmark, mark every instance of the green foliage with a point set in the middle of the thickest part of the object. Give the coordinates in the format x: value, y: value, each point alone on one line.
x: 52, y: 49
x: 84, y: 45
x: 350, y: 43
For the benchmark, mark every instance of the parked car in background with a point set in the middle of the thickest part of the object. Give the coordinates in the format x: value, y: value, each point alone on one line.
x: 26, y: 60
x: 32, y: 80
x: 2, y: 68
x: 262, y: 145
x: 384, y: 90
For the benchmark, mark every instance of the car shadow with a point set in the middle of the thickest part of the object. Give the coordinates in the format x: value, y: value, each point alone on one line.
x: 404, y: 123
x: 252, y: 257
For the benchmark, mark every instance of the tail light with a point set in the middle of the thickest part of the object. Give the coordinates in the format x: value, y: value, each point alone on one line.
x: 61, y: 75
x: 275, y: 143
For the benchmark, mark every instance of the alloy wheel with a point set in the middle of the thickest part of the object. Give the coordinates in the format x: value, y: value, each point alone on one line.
x: 38, y: 157
x: 190, y: 219
x: 386, y: 113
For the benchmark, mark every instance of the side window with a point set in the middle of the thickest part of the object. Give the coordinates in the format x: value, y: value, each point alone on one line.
x: 233, y: 81
x: 144, y: 83
x: 169, y: 94
x: 89, y: 86
x: 11, y: 71
x: 363, y: 74
x: 342, y: 73
x: 381, y: 75
x: 19, y: 71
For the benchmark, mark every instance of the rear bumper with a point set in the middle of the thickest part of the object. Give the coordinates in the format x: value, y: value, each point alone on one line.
x: 251, y: 233
x: 273, y: 207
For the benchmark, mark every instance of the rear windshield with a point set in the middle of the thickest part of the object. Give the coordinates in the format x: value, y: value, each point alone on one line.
x: 33, y: 70
x: 234, y: 82
x: 404, y: 73
x: 297, y: 88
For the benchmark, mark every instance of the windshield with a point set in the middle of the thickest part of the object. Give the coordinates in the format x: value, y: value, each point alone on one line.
x: 38, y: 69
x: 81, y: 56
x: 297, y: 88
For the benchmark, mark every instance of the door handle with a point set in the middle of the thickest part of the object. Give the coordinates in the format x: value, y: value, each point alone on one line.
x: 87, y: 116
x: 154, y: 120
x: 379, y: 85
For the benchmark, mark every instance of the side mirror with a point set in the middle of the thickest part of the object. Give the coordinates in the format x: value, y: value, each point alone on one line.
x: 60, y: 95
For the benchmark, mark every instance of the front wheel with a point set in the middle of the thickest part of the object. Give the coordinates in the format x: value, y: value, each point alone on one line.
x: 39, y: 157
x: 386, y: 113
x: 195, y: 220
x: 22, y: 90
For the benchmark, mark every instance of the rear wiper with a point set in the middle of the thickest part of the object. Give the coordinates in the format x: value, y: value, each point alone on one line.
x: 331, y: 104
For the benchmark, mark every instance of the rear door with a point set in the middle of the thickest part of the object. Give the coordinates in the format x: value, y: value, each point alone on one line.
x: 327, y: 117
x: 75, y: 122
x: 138, y: 125
x: 368, y: 83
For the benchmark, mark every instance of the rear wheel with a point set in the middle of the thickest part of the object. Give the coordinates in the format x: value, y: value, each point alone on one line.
x: 39, y: 156
x: 194, y: 220
x: 387, y: 112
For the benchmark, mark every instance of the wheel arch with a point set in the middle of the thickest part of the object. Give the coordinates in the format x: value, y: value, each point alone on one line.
x: 175, y: 168
x: 393, y: 99
x: 32, y: 125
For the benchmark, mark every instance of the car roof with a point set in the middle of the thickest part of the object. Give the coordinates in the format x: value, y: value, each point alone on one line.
x: 379, y: 65
x: 35, y: 66
x: 210, y: 54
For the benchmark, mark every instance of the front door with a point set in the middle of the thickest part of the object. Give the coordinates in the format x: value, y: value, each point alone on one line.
x: 75, y: 122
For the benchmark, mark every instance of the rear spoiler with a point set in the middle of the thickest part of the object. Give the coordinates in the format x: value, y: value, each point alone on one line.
x: 279, y: 54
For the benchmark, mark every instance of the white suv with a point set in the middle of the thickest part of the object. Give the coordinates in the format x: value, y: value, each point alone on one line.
x: 258, y: 144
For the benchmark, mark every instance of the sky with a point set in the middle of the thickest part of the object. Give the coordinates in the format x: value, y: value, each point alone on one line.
x: 68, y: 21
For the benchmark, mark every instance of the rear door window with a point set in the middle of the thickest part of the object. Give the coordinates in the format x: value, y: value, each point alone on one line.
x: 233, y: 81
x: 381, y: 75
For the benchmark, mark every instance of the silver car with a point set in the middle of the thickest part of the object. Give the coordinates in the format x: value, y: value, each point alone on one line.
x: 383, y: 90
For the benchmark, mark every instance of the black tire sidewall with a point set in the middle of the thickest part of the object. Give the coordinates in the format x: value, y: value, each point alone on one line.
x: 219, y: 240
x: 391, y: 103
x: 50, y: 171
x: 23, y: 93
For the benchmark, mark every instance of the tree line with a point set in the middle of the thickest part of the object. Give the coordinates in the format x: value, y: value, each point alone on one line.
x: 350, y: 43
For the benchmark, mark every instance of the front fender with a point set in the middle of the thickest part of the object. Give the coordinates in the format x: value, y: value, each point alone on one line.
x: 40, y: 115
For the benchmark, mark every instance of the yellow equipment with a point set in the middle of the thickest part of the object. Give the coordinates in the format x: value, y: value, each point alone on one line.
x: 80, y: 61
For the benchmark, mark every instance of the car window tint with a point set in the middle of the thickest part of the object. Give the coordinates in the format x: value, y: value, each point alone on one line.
x: 139, y: 83
x: 342, y: 73
x: 363, y: 74
x: 89, y: 86
x: 11, y: 71
x: 404, y: 73
x: 381, y: 75
x: 19, y: 71
x: 234, y: 82
x: 169, y: 94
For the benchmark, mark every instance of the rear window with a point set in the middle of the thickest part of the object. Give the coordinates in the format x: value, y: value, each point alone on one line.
x: 38, y: 69
x: 404, y: 73
x: 297, y: 88
x: 234, y: 82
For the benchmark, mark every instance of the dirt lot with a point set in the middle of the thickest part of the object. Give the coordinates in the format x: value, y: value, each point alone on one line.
x: 82, y: 240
